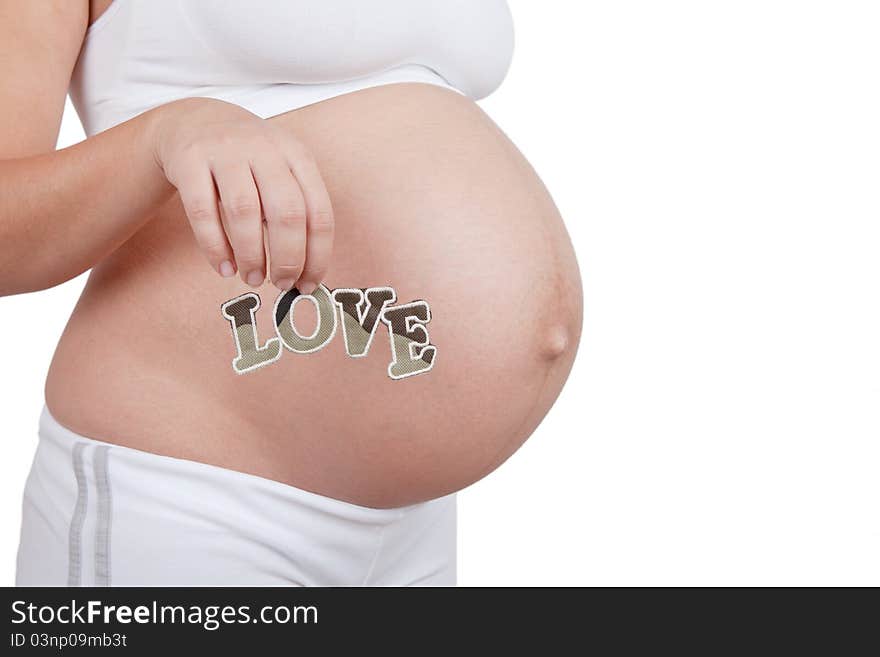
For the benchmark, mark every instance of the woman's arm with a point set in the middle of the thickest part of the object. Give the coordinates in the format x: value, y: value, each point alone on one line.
x: 61, y: 212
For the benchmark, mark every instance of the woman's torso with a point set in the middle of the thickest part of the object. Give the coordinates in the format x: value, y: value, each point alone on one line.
x: 431, y: 199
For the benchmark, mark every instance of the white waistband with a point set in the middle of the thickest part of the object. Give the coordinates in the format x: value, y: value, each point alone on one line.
x: 180, y: 470
x: 101, y: 514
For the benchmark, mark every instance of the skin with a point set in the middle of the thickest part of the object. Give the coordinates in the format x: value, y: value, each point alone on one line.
x: 427, y: 196
x: 230, y: 169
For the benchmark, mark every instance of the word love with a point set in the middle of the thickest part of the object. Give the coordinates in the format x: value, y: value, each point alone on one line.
x: 359, y: 314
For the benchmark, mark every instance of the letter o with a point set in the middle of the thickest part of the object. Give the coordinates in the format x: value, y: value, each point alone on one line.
x: 325, y: 330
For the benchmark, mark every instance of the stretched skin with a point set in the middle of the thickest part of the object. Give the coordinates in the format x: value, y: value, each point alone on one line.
x: 431, y: 199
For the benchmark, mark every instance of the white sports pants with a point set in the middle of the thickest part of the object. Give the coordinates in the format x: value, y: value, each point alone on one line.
x: 97, y: 514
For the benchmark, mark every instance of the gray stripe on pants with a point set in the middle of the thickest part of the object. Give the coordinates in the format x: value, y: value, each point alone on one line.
x: 105, y: 510
x: 74, y: 543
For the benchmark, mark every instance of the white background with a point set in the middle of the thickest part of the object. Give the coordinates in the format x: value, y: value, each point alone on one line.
x: 718, y: 166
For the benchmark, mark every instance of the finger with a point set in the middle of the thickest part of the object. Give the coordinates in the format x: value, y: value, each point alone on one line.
x: 199, y: 197
x: 285, y: 211
x: 244, y: 222
x: 320, y: 222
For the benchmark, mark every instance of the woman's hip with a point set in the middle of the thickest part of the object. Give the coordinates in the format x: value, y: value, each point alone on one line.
x: 101, y: 514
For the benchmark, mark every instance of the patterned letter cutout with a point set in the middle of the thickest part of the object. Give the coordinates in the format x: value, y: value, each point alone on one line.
x: 359, y: 323
x: 325, y: 330
x: 409, y: 339
x: 360, y: 312
x: 241, y: 313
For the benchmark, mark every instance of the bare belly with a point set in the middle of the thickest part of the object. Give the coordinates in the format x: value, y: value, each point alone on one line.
x: 430, y: 199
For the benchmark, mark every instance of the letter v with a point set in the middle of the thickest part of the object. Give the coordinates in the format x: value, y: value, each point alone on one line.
x: 359, y: 322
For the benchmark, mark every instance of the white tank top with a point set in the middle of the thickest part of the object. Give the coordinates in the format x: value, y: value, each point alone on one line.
x: 272, y: 56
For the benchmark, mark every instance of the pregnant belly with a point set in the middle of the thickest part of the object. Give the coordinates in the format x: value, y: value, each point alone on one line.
x: 431, y: 200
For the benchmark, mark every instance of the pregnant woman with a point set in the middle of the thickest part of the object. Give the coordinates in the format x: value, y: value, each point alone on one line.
x: 326, y: 291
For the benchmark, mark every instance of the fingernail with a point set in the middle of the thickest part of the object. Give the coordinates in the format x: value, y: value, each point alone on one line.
x: 306, y: 287
x: 255, y: 279
x: 284, y: 284
x: 226, y: 269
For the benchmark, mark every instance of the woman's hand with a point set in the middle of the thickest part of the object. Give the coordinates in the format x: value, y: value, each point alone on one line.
x: 232, y: 171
